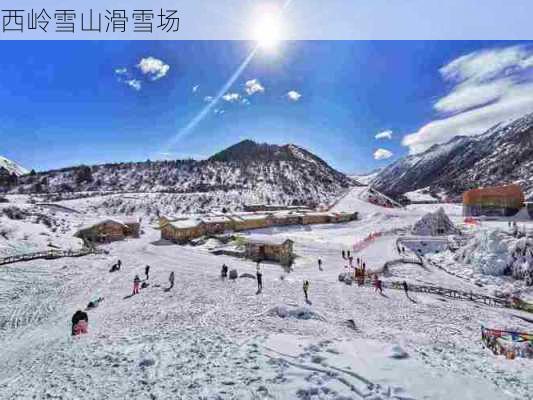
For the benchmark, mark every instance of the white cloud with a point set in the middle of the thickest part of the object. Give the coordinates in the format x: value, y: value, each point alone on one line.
x: 489, y: 87
x: 384, y: 135
x: 121, y: 71
x: 134, y: 84
x: 154, y: 68
x: 382, y: 154
x: 208, y: 99
x: 253, y: 86
x: 195, y: 88
x: 471, y: 95
x: 231, y: 97
x: 293, y: 95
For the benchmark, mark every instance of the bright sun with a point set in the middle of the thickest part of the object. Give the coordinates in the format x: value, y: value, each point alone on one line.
x: 267, y: 29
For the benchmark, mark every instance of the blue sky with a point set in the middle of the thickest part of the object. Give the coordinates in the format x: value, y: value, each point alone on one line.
x: 68, y: 103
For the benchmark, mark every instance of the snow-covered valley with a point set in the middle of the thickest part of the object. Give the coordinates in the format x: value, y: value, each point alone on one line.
x: 208, y: 338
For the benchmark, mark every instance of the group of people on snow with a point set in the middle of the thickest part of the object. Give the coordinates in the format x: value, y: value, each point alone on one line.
x: 80, y: 319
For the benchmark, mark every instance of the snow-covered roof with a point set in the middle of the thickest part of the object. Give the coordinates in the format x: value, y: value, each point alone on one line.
x: 216, y: 219
x: 269, y: 241
x: 251, y: 217
x: 186, y: 223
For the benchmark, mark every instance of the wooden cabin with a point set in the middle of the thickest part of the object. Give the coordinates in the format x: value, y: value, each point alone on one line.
x: 107, y: 231
x: 280, y: 251
x: 316, y: 218
x: 217, y: 224
x: 493, y: 201
x: 181, y: 231
x: 251, y: 221
x: 289, y: 218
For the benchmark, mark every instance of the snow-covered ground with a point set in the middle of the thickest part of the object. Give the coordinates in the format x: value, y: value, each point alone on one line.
x: 213, y: 339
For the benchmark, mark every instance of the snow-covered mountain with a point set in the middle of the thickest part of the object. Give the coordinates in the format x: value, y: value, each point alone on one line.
x: 503, y: 154
x: 366, y: 179
x: 254, y: 172
x: 11, y: 167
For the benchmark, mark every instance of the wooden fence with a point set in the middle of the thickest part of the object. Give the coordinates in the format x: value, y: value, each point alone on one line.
x: 450, y: 293
x: 50, y: 255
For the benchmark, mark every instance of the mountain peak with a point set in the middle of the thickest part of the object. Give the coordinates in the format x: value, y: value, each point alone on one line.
x: 248, y: 150
x: 12, y: 167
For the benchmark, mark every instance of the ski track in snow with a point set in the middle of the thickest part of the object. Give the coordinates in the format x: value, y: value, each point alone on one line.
x: 213, y: 339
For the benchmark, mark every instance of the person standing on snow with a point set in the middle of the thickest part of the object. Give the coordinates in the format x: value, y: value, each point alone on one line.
x: 259, y: 275
x: 343, y: 255
x: 119, y: 263
x: 405, y: 288
x: 76, y: 319
x: 171, y: 279
x: 306, y: 288
x: 224, y: 271
x: 320, y: 264
x: 378, y: 285
x: 147, y: 271
x: 136, y: 284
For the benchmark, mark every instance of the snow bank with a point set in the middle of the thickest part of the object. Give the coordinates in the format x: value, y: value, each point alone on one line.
x: 284, y: 311
x: 435, y: 224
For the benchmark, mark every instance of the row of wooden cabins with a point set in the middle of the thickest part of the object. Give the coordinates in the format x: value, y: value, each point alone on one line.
x: 184, y: 230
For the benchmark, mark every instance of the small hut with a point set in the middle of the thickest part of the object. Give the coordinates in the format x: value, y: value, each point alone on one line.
x: 105, y: 231
x: 181, y: 231
x: 272, y: 250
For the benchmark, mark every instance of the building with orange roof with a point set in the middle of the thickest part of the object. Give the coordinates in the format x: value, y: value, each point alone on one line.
x: 493, y: 201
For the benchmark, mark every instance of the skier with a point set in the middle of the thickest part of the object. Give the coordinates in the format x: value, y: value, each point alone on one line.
x: 171, y: 279
x: 358, y: 262
x: 147, y: 271
x: 80, y: 320
x: 136, y: 284
x: 306, y: 288
x: 259, y: 275
x: 119, y: 263
x: 343, y: 255
x: 319, y: 264
x: 348, y: 253
x: 224, y: 271
x: 405, y: 288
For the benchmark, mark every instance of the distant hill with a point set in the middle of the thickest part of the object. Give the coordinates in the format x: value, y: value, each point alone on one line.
x: 502, y: 155
x: 252, y: 172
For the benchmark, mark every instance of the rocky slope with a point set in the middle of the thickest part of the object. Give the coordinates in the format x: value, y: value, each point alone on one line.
x: 252, y: 172
x: 502, y: 155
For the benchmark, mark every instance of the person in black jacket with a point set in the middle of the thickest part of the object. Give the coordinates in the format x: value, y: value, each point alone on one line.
x: 77, y: 317
x: 147, y: 271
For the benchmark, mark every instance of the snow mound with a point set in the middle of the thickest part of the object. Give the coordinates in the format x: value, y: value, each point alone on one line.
x: 305, y: 313
x: 397, y: 352
x: 435, y: 224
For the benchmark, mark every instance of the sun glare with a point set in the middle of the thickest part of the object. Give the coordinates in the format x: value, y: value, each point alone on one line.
x: 267, y: 28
